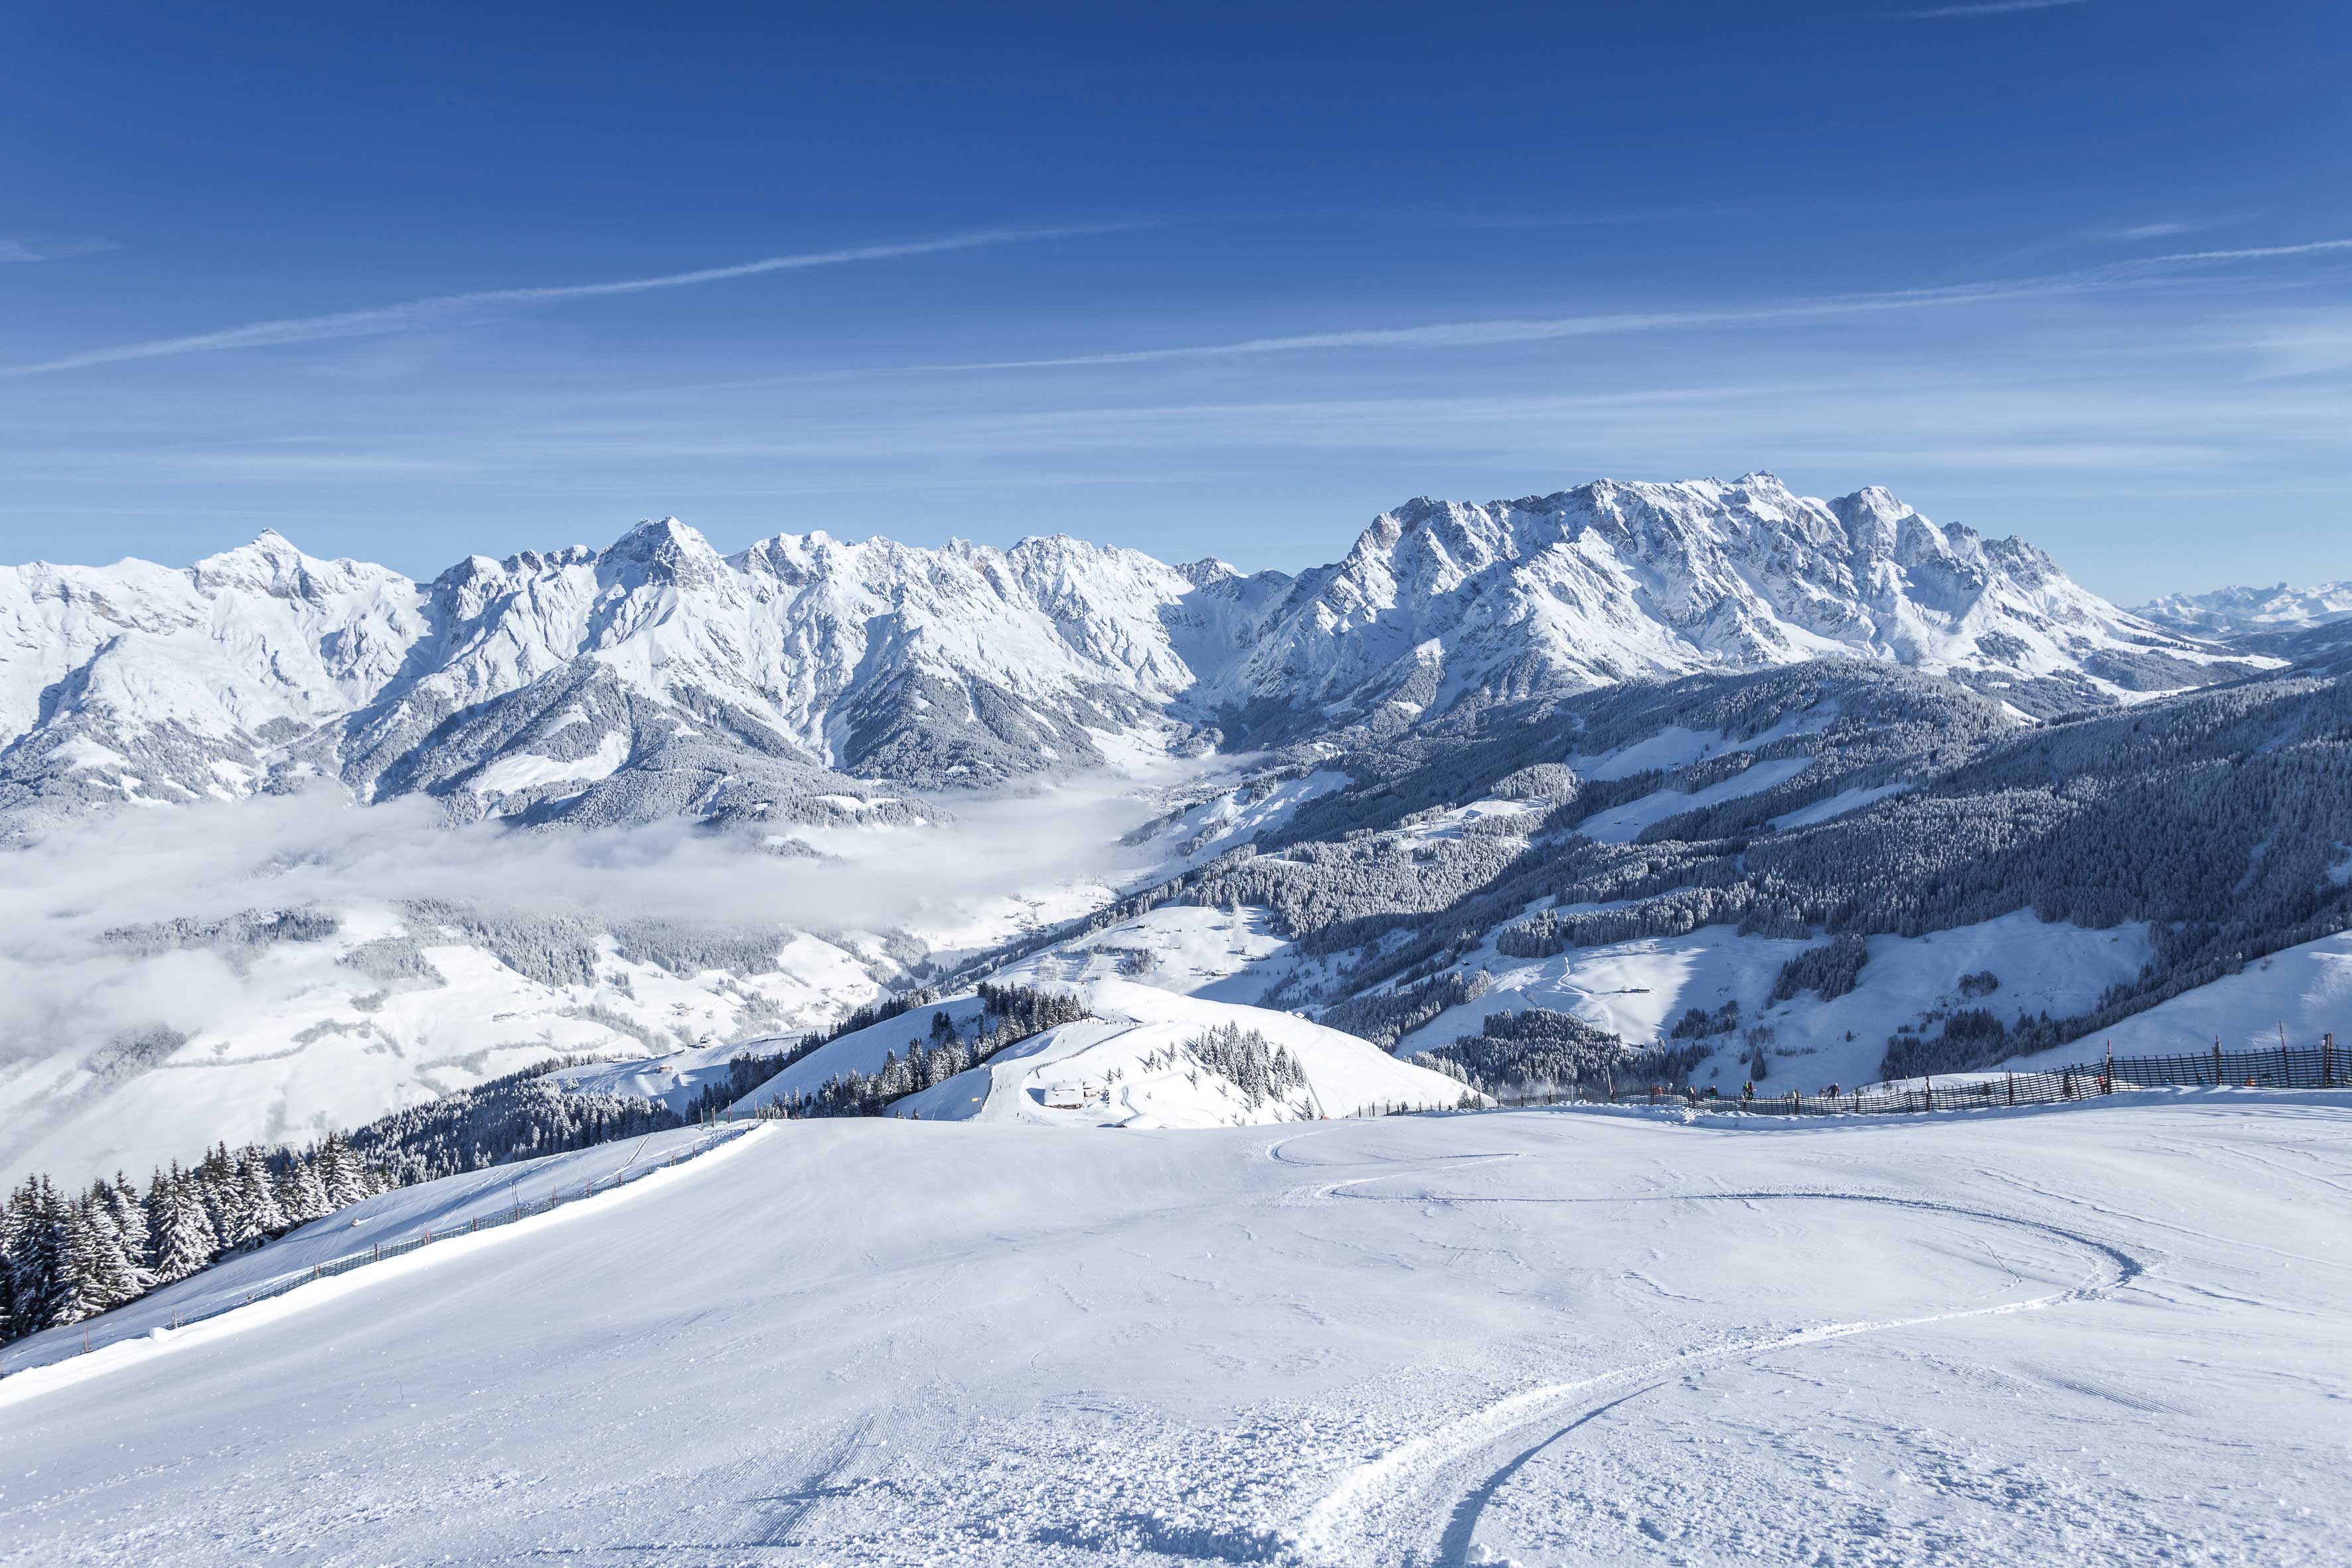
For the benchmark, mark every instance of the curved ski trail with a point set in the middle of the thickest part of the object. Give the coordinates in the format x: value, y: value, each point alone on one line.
x: 1419, y: 1503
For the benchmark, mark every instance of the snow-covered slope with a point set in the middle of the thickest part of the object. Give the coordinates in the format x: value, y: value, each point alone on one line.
x: 655, y: 676
x: 403, y: 1214
x: 2298, y: 993
x: 1638, y: 990
x: 2240, y: 612
x: 1129, y: 1063
x: 2108, y: 1335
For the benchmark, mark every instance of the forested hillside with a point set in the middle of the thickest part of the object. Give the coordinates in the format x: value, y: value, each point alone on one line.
x: 1834, y: 800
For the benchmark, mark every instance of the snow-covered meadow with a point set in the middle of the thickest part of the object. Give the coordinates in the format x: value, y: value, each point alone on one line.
x: 2112, y: 1334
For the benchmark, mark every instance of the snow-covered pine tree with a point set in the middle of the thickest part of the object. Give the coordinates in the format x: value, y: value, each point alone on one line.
x: 87, y: 1265
x: 255, y: 1197
x: 124, y: 1243
x: 302, y: 1195
x: 185, y: 1239
x: 34, y: 1225
x: 18, y: 1303
x: 341, y: 1172
x: 216, y: 1184
x: 129, y: 1213
x: 231, y: 1209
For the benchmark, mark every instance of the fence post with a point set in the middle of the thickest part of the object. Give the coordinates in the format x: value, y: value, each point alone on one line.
x: 2286, y: 1068
x: 2108, y: 1078
x: 2217, y: 1061
x: 2012, y: 1087
x: 2327, y: 1060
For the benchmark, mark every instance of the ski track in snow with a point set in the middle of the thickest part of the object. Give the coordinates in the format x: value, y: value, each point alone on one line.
x: 1375, y: 1507
x: 2097, y: 1337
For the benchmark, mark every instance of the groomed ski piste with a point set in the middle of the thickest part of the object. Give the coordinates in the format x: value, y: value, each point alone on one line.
x: 2114, y: 1333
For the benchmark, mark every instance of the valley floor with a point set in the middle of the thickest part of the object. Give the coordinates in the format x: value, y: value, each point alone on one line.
x: 2108, y: 1335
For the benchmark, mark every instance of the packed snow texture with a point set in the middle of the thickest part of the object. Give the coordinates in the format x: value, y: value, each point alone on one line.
x: 403, y: 1214
x: 2093, y: 1336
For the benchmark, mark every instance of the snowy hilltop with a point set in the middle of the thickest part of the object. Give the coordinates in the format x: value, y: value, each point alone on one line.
x: 658, y: 677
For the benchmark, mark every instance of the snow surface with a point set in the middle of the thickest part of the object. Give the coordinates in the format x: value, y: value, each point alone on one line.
x: 2106, y: 1335
x: 1126, y: 1067
x: 520, y: 771
x: 1844, y: 802
x: 1637, y: 989
x: 1677, y: 746
x: 2307, y: 991
x: 1097, y: 1065
x: 440, y: 1206
x: 1623, y: 824
x: 1225, y: 955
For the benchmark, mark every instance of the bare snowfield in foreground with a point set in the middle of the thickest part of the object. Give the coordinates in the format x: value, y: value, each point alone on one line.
x: 2116, y: 1334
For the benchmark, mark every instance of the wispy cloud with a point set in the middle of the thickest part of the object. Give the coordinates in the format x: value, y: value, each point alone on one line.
x: 2163, y: 230
x: 21, y: 249
x: 2246, y: 253
x: 445, y: 309
x: 1990, y: 8
x: 1481, y: 335
x: 1587, y: 220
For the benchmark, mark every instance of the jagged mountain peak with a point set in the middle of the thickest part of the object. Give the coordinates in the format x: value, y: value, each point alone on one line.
x: 274, y: 564
x: 537, y: 684
x: 660, y: 548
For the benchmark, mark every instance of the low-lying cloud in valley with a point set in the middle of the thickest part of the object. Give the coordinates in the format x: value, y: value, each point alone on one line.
x: 68, y: 982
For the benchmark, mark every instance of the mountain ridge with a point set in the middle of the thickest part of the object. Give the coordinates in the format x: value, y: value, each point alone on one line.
x: 2237, y: 612
x: 657, y: 675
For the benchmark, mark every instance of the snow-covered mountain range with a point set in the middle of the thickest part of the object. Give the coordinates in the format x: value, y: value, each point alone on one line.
x: 2241, y: 611
x: 656, y: 677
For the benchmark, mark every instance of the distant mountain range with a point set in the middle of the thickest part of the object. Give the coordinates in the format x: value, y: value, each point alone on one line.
x: 658, y: 677
x: 2240, y: 612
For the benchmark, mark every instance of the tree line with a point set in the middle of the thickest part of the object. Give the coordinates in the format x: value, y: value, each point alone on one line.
x: 66, y: 1257
x: 1009, y: 1014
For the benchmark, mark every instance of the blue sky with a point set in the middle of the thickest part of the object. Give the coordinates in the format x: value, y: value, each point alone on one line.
x: 411, y: 282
